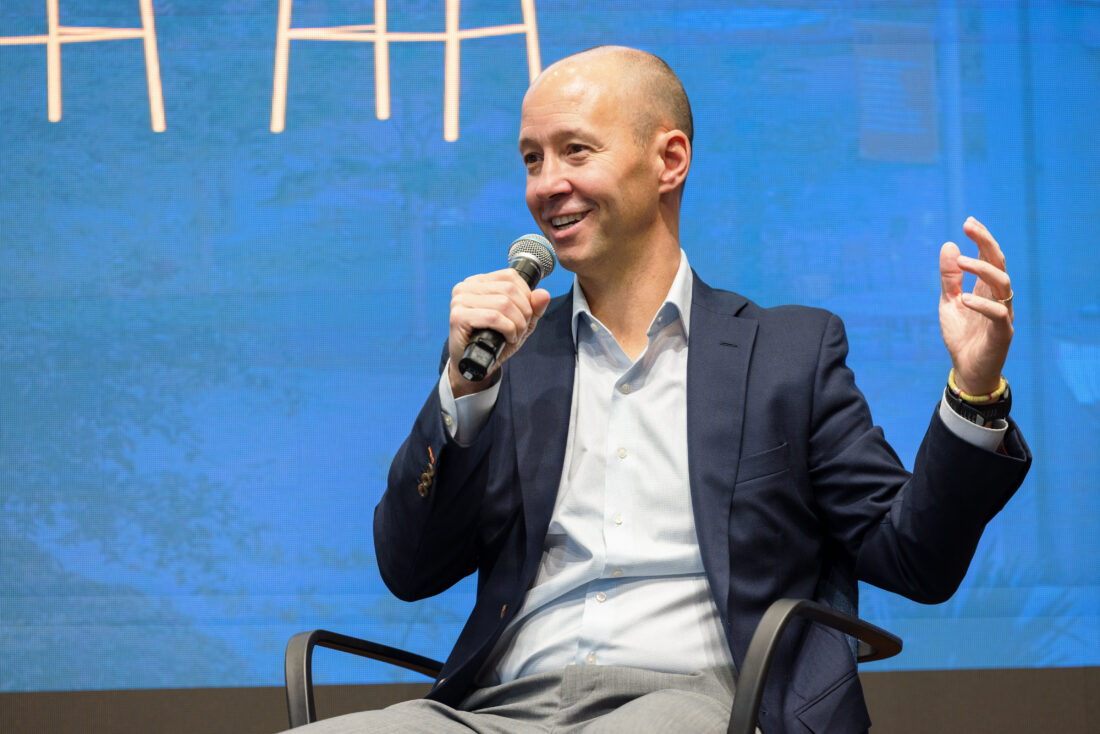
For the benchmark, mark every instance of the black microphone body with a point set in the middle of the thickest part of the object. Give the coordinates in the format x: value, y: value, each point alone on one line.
x: 533, y: 258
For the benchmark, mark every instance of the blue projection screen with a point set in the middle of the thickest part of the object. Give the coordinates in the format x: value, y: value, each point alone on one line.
x: 213, y: 336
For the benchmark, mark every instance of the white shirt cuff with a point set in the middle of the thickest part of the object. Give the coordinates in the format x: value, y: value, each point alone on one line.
x: 465, y: 417
x: 987, y: 437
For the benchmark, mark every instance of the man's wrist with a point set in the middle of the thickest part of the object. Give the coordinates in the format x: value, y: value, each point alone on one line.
x: 989, y: 396
x: 981, y: 410
x: 465, y: 415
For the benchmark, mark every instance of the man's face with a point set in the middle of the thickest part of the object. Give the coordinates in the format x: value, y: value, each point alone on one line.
x: 591, y: 187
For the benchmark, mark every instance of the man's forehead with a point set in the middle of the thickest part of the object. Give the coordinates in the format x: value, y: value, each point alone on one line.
x: 554, y: 102
x: 575, y: 91
x: 575, y: 117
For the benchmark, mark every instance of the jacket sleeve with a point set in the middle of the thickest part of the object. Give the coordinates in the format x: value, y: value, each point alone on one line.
x: 425, y: 526
x: 914, y: 534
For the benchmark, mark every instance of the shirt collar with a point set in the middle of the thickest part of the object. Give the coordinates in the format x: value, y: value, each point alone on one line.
x: 677, y: 302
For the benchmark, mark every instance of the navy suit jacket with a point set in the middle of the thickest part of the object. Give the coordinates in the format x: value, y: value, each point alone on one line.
x: 789, y: 479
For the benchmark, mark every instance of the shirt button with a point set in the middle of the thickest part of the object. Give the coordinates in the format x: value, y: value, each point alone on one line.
x: 618, y: 519
x: 625, y: 388
x: 617, y: 573
x: 590, y: 658
x: 601, y: 597
x: 594, y: 326
x: 448, y: 420
x: 622, y: 453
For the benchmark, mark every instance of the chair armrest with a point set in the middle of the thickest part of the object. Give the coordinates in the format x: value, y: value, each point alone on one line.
x: 299, y: 667
x: 875, y: 644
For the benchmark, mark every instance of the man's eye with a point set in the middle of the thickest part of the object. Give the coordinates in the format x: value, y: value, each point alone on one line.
x: 530, y: 159
x: 577, y: 148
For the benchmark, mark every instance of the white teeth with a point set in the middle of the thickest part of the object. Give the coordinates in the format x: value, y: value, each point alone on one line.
x: 567, y: 219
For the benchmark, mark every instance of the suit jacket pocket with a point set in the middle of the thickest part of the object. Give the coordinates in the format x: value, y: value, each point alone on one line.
x: 764, y: 463
x: 825, y: 679
x: 840, y: 710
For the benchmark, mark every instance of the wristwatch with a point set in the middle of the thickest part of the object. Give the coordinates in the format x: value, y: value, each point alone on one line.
x: 981, y: 413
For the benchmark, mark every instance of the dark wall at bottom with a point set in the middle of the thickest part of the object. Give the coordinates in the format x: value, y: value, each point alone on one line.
x: 1066, y: 700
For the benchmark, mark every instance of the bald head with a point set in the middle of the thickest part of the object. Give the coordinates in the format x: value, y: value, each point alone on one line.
x: 650, y: 90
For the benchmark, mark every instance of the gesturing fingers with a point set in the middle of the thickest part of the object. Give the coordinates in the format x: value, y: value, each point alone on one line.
x: 993, y: 283
x: 998, y: 284
x: 988, y: 249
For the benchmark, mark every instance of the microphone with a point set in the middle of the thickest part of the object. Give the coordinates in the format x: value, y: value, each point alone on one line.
x: 533, y: 258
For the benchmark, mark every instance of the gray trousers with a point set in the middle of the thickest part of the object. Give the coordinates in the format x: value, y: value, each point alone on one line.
x: 581, y: 698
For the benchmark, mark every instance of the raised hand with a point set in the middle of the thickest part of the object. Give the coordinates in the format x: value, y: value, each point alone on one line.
x: 500, y: 301
x: 976, y: 326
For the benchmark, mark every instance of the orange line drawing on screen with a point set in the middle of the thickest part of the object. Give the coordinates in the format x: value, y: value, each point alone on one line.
x: 58, y: 34
x: 381, y: 36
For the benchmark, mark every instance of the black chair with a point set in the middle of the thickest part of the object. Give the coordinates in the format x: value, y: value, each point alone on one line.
x: 873, y: 643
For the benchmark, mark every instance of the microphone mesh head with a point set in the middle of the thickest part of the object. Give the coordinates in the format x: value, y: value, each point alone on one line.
x: 537, y: 247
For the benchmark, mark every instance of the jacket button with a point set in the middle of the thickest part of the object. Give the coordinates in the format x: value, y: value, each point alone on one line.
x: 422, y: 489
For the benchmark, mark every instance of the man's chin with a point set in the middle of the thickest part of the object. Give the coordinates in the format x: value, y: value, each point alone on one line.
x: 574, y: 258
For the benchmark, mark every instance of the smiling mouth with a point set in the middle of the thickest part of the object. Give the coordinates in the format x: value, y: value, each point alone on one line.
x: 567, y: 220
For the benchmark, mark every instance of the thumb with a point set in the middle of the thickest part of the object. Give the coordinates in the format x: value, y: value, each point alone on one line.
x: 540, y: 299
x: 951, y: 275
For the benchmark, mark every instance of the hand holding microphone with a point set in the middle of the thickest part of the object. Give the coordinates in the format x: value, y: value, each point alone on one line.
x: 492, y: 314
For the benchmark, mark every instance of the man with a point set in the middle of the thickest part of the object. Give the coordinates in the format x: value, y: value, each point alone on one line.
x: 656, y: 461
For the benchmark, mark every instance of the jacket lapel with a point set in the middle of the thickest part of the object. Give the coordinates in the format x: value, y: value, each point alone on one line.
x: 720, y: 347
x: 541, y: 385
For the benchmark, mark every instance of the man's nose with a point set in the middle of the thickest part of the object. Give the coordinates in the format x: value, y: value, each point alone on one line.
x: 552, y: 180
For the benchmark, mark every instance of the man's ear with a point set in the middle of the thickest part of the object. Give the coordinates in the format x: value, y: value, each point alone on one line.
x: 674, y: 149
